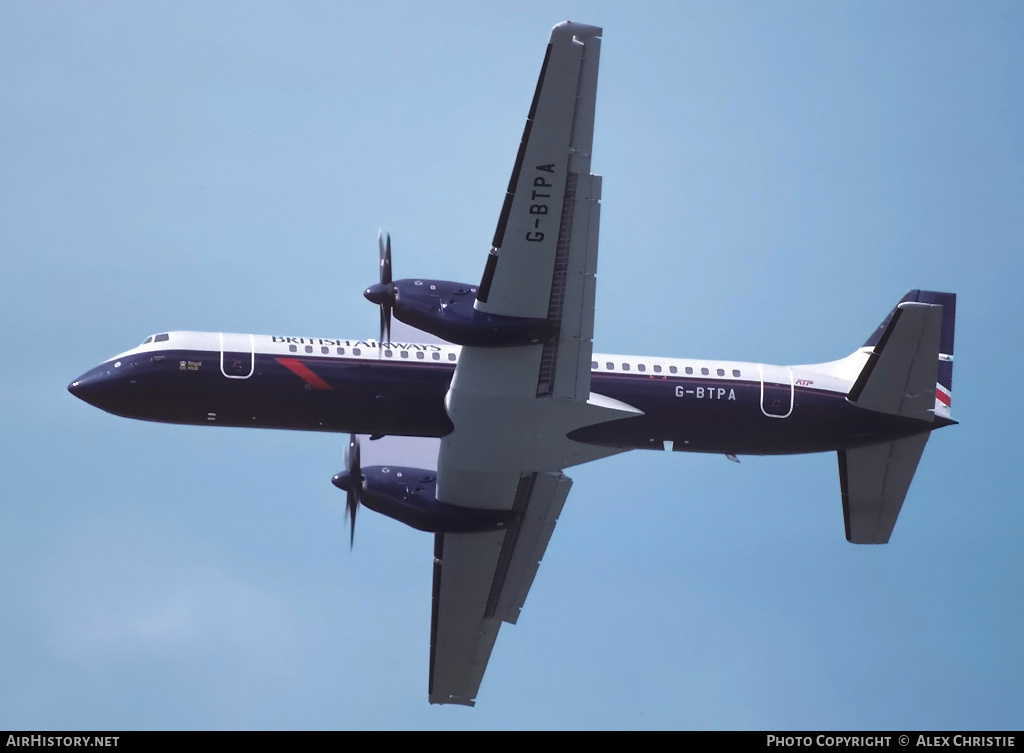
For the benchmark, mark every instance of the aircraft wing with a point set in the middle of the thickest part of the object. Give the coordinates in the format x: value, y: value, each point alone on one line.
x: 543, y: 257
x: 480, y: 581
x: 513, y: 407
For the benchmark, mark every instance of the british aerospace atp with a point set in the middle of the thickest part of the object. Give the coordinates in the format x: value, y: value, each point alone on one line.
x: 517, y: 395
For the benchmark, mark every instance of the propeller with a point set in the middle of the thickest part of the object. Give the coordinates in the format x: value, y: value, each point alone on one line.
x: 351, y: 481
x: 383, y: 293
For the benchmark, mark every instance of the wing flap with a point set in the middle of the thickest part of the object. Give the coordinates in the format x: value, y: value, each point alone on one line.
x: 573, y: 299
x: 526, y: 545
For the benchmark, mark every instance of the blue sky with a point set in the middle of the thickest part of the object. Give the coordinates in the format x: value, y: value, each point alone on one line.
x: 776, y: 177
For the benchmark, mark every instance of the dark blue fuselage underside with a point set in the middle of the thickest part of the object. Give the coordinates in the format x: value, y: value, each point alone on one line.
x: 407, y: 398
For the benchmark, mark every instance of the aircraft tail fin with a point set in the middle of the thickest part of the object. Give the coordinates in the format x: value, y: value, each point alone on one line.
x: 874, y: 482
x: 908, y: 372
x: 912, y: 349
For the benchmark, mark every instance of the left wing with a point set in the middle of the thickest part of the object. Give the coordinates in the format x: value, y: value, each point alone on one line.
x: 513, y: 407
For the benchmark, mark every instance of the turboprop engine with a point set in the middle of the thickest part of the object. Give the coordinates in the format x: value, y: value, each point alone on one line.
x: 446, y: 309
x: 409, y: 495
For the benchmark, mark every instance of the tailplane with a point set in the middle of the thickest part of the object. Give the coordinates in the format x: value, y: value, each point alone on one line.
x: 874, y: 482
x: 908, y: 372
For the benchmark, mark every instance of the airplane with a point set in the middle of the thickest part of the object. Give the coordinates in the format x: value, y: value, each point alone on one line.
x: 516, y: 394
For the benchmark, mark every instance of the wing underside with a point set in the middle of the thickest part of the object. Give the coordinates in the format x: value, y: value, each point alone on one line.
x: 513, y: 407
x: 480, y: 581
x: 543, y: 258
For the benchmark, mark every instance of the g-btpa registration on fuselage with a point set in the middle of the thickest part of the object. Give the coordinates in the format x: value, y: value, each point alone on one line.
x: 517, y: 394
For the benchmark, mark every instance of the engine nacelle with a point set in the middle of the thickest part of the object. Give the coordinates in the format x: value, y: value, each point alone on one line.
x: 409, y: 495
x: 446, y: 309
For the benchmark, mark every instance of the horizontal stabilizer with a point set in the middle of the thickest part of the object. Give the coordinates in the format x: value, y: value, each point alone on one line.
x: 874, y: 482
x: 900, y: 375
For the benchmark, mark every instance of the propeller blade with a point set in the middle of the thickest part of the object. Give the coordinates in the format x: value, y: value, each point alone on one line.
x: 385, y: 324
x: 383, y: 293
x: 354, y: 474
x: 352, y: 503
x: 353, y: 455
x: 384, y: 243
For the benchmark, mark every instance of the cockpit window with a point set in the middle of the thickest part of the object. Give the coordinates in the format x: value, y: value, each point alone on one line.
x: 148, y: 340
x: 161, y: 338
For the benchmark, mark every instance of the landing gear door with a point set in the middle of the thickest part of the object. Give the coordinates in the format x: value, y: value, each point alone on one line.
x: 776, y: 391
x: 236, y: 355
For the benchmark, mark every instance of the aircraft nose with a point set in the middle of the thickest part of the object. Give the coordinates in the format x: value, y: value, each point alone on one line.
x: 83, y: 388
x: 90, y: 387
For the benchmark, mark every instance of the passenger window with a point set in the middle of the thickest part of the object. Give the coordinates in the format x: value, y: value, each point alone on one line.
x: 309, y: 348
x: 292, y: 349
x: 324, y: 349
x: 625, y: 367
x: 593, y: 364
x: 673, y: 369
x: 356, y: 352
x: 419, y: 354
x: 657, y: 368
x: 387, y: 353
x: 689, y: 369
x: 436, y: 356
x: 341, y: 351
x: 704, y: 371
x: 721, y: 372
x: 735, y: 372
x: 641, y: 367
x: 451, y: 356
x: 610, y: 366
x: 405, y: 354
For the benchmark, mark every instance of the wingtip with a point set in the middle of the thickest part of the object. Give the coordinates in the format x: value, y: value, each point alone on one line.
x: 577, y: 29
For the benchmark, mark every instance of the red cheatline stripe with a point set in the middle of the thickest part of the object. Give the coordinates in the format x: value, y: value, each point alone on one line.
x: 302, y: 371
x: 943, y: 397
